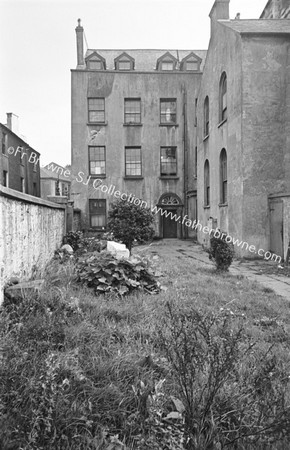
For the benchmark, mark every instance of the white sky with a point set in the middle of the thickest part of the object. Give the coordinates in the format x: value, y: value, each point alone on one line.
x: 38, y: 49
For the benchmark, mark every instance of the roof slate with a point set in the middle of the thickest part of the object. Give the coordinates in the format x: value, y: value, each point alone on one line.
x: 145, y: 60
x: 271, y: 26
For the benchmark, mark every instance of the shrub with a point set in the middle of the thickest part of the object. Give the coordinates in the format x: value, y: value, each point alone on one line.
x: 130, y: 223
x: 73, y: 238
x: 105, y: 273
x: 234, y: 396
x: 221, y: 252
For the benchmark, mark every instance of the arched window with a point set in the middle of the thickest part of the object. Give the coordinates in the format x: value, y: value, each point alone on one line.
x: 223, y: 113
x: 206, y: 184
x: 206, y: 117
x: 223, y: 177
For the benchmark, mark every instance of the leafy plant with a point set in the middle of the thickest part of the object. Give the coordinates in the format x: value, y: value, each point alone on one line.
x: 130, y: 223
x: 105, y: 273
x: 221, y: 252
x: 73, y: 238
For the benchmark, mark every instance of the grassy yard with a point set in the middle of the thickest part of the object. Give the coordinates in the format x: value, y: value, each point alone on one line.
x: 205, y: 364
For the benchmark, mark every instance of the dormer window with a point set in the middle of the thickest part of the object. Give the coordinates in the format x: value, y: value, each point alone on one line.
x: 124, y: 62
x: 166, y: 62
x: 95, y: 62
x: 191, y: 63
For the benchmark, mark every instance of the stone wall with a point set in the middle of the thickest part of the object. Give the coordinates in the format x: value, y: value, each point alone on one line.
x: 31, y: 229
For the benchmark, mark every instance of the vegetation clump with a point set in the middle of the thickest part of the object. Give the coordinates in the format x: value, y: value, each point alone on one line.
x: 130, y: 223
x: 221, y: 252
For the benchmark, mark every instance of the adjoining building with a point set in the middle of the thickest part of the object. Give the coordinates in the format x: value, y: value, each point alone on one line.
x: 276, y: 9
x: 19, y: 163
x: 133, y: 128
x: 55, y: 181
x: 244, y: 132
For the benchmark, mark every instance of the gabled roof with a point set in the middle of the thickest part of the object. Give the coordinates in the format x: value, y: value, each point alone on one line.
x: 258, y: 26
x: 145, y: 60
x: 96, y: 56
x: 124, y: 57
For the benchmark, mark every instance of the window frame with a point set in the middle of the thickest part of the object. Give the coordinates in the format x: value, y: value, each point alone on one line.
x: 5, y: 178
x: 127, y: 162
x: 163, y: 114
x: 223, y: 177
x: 96, y: 160
x: 4, y: 143
x: 97, y: 110
x: 166, y: 173
x: 126, y: 114
x: 223, y: 100
x: 206, y: 183
x: 94, y: 213
x: 206, y: 117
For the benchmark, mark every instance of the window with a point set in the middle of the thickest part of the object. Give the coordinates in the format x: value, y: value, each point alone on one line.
x: 34, y: 189
x: 133, y: 162
x: 206, y: 184
x: 223, y: 177
x: 132, y: 110
x: 166, y: 62
x: 22, y: 184
x: 192, y: 65
x: 97, y: 210
x: 206, y: 117
x: 167, y: 65
x: 5, y: 178
x: 124, y: 62
x: 97, y: 160
x: 223, y: 98
x: 168, y: 111
x: 95, y: 62
x: 168, y: 161
x: 4, y: 143
x: 96, y: 110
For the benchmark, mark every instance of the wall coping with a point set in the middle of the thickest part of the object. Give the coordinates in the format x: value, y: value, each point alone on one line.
x: 20, y: 196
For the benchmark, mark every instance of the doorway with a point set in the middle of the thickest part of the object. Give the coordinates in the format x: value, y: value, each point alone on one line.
x: 276, y: 226
x: 170, y: 225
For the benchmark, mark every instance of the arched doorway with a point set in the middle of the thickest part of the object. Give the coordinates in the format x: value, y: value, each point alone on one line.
x: 170, y: 220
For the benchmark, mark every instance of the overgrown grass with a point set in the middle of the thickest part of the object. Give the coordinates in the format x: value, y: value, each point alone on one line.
x: 203, y: 365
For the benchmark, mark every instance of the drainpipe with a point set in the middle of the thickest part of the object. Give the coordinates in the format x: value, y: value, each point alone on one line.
x: 185, y: 164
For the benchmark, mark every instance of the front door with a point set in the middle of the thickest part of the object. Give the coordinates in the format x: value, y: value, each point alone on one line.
x: 170, y: 226
x: 276, y: 227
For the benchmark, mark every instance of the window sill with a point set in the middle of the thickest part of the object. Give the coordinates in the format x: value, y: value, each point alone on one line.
x: 206, y: 207
x: 222, y: 122
x: 93, y: 175
x: 133, y: 178
x: 103, y: 124
x: 223, y: 204
x: 168, y: 125
x: 132, y: 124
x: 206, y: 137
x: 168, y: 177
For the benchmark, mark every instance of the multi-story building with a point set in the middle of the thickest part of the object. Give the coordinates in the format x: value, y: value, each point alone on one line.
x: 244, y: 132
x: 171, y: 127
x: 133, y: 128
x: 19, y: 163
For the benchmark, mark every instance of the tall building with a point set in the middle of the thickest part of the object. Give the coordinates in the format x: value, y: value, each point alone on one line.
x: 133, y: 128
x: 204, y: 134
x: 19, y: 163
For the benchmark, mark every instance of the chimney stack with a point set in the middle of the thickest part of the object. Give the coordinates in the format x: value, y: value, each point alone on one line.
x: 80, y: 43
x: 12, y: 122
x: 219, y: 11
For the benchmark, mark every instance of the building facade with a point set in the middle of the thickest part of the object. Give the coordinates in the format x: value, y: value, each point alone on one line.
x: 204, y: 134
x: 244, y: 132
x: 19, y: 163
x: 133, y: 128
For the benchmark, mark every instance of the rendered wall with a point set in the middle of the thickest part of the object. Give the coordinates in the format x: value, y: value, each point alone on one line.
x: 31, y: 229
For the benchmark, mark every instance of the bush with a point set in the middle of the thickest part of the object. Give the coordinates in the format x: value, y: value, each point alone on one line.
x: 130, y: 223
x: 105, y: 273
x: 221, y: 252
x: 73, y: 238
